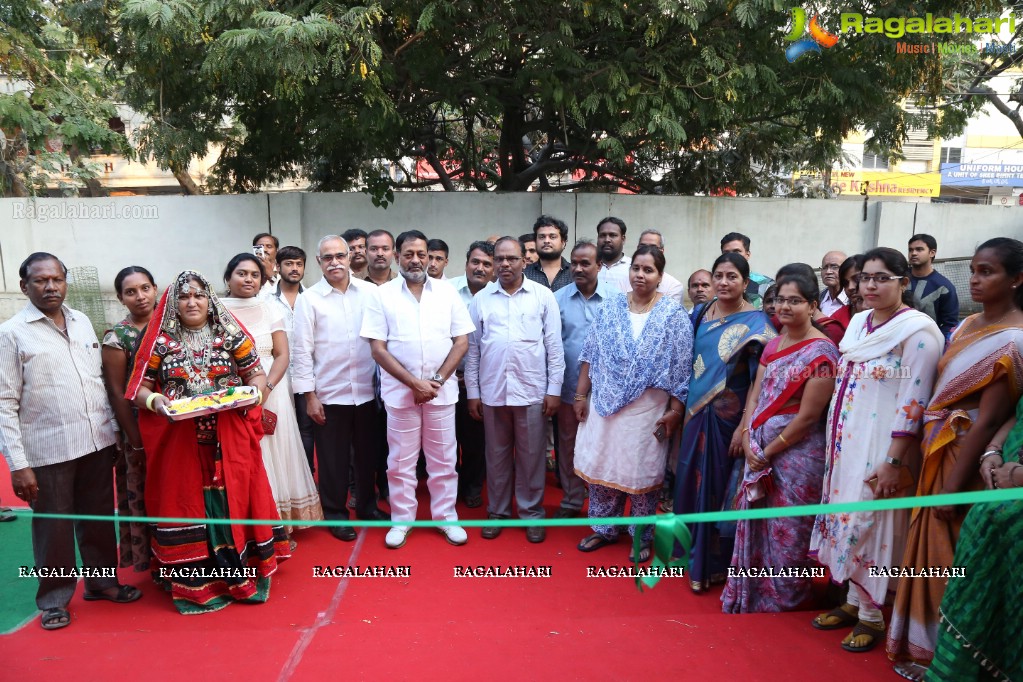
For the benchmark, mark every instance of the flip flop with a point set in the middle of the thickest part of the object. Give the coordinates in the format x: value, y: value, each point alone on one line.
x: 644, y: 554
x: 910, y: 670
x: 845, y: 619
x: 125, y: 594
x: 55, y: 619
x: 863, y: 628
x: 592, y: 543
x: 7, y: 515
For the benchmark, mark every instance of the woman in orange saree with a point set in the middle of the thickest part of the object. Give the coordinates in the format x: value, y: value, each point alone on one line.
x: 980, y: 380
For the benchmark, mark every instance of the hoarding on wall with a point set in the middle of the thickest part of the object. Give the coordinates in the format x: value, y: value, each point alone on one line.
x: 881, y: 183
x: 982, y: 174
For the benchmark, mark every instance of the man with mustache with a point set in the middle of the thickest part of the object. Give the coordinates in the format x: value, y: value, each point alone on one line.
x: 699, y: 285
x: 334, y: 370
x: 479, y: 272
x: 417, y: 328
x: 614, y: 264
x: 669, y: 286
x: 513, y: 376
x: 356, y: 240
x: 737, y: 242
x: 832, y: 296
x: 57, y: 435
x: 578, y: 303
x: 380, y: 255
x: 528, y: 242
x: 267, y: 253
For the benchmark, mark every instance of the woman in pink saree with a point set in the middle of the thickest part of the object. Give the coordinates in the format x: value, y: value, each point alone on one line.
x: 783, y: 440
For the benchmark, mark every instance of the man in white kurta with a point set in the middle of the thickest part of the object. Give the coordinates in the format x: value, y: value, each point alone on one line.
x: 417, y: 327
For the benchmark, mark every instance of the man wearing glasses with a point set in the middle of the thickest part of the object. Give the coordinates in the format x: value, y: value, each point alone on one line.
x: 333, y: 368
x: 513, y: 375
x: 832, y: 296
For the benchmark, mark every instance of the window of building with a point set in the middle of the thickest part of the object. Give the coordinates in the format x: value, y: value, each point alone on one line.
x: 951, y: 154
x: 874, y: 161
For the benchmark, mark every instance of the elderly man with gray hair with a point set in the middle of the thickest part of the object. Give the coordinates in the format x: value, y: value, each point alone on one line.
x: 333, y: 368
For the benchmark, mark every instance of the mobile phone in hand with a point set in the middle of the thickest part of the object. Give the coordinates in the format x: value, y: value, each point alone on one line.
x: 661, y: 433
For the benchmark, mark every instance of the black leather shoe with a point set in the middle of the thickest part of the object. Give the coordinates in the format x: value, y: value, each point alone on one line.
x: 346, y: 533
x: 491, y: 532
x: 536, y: 534
x: 375, y: 515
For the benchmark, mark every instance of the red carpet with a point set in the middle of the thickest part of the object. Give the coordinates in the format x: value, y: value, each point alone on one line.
x: 434, y: 626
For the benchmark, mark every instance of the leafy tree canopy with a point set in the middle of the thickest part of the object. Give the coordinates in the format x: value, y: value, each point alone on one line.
x: 59, y: 102
x: 650, y: 95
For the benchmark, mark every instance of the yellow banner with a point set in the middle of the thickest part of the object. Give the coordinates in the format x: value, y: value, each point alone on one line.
x: 881, y: 183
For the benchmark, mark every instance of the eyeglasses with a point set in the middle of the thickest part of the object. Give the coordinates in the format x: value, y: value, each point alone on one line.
x: 880, y: 279
x: 327, y: 258
x: 507, y: 259
x: 790, y: 301
x: 830, y: 266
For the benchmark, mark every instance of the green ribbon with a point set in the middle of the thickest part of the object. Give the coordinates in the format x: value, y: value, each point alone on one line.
x: 669, y: 529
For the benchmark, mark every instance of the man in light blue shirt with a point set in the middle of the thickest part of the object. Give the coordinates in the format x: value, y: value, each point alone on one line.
x: 578, y: 303
x: 513, y: 375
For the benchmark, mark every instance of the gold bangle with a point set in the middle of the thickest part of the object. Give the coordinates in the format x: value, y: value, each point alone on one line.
x: 782, y: 439
x: 581, y: 396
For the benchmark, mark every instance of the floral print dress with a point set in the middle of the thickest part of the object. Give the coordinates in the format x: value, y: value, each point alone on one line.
x: 883, y: 385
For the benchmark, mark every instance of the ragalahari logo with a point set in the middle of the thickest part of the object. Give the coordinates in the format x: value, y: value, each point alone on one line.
x: 806, y: 39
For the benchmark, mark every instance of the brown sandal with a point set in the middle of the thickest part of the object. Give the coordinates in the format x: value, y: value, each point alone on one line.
x: 864, y: 628
x: 843, y: 618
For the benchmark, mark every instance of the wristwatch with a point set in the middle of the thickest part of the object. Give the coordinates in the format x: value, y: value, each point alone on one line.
x: 438, y: 378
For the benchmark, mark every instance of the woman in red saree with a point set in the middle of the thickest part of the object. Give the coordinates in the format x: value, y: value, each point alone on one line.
x: 783, y: 441
x: 209, y: 466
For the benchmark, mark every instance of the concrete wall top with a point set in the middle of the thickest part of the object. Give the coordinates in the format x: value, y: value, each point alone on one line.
x: 168, y: 234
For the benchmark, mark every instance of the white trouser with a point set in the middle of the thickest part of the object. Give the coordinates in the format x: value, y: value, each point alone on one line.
x: 432, y: 429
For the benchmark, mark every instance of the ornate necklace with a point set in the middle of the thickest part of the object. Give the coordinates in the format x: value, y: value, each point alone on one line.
x: 197, y: 365
x: 645, y: 309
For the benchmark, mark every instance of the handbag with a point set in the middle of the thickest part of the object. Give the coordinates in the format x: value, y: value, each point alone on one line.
x: 269, y: 422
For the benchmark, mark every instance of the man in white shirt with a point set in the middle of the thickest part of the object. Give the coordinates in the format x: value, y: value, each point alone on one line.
x: 832, y: 296
x: 669, y: 286
x: 291, y: 266
x: 334, y: 371
x: 57, y: 435
x: 265, y: 246
x: 418, y: 330
x: 614, y: 264
x: 513, y: 375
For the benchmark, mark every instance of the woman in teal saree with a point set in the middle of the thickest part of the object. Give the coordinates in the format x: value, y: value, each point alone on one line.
x: 729, y: 338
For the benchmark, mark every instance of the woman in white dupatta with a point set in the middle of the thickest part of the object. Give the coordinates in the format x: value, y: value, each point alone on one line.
x: 885, y: 376
x: 294, y: 489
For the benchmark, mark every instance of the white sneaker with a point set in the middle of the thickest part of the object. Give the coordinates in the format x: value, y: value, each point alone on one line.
x: 454, y: 534
x: 396, y: 537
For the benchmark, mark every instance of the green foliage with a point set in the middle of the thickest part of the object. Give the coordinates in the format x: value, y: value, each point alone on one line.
x: 651, y: 96
x: 61, y: 104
